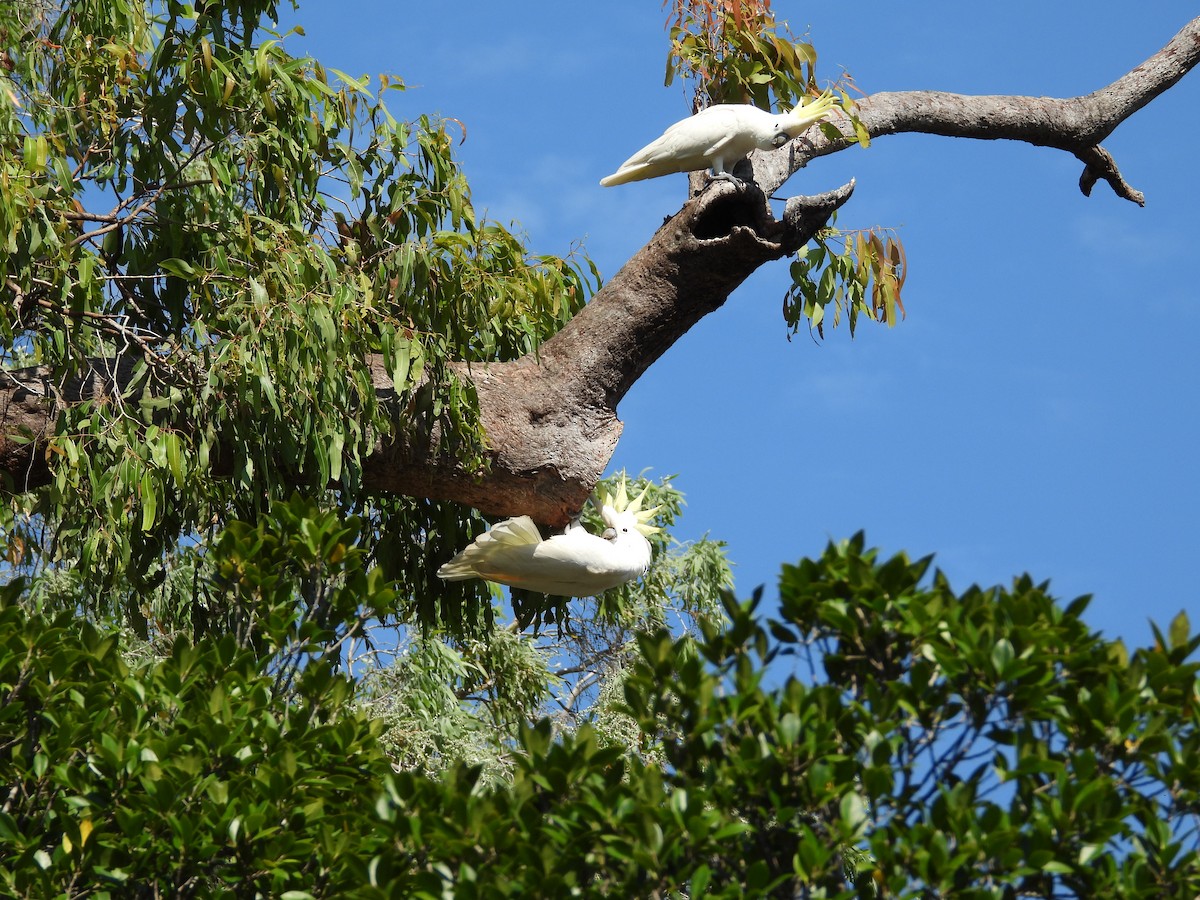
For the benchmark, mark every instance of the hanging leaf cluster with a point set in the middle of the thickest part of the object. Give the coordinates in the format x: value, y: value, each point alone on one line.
x: 846, y: 274
x: 736, y: 52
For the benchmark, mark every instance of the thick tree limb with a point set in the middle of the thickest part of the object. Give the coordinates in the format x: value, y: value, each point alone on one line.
x: 551, y: 418
x: 1076, y: 125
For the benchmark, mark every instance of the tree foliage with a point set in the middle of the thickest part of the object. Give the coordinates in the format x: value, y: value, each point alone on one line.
x: 235, y: 233
x: 736, y: 52
x: 883, y: 736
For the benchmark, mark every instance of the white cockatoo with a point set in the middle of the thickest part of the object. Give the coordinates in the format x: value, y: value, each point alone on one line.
x: 716, y: 138
x: 576, y: 563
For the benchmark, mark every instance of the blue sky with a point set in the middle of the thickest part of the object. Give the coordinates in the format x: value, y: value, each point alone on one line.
x: 1036, y: 411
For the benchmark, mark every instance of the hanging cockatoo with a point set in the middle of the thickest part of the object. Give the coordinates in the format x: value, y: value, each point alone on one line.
x: 576, y: 563
x: 716, y: 138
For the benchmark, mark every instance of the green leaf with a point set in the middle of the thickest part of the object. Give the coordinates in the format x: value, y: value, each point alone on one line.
x: 401, y: 358
x: 1088, y: 852
x: 337, y: 443
x: 178, y: 267
x: 1002, y: 656
x: 853, y: 810
x: 1179, y: 631
x: 860, y: 132
x: 149, y: 500
x: 1057, y: 868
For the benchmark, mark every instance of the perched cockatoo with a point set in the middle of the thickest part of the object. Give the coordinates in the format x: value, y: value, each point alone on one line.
x: 716, y: 138
x: 576, y: 563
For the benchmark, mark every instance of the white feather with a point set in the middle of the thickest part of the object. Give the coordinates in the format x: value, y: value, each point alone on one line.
x: 576, y: 563
x: 716, y: 138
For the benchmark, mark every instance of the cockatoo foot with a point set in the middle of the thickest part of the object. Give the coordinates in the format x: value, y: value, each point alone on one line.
x: 724, y: 176
x: 715, y: 177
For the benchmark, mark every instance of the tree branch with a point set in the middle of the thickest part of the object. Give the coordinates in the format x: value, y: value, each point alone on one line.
x: 551, y: 418
x: 1076, y: 125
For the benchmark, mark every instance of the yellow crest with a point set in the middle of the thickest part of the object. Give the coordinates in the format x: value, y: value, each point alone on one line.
x: 622, y: 504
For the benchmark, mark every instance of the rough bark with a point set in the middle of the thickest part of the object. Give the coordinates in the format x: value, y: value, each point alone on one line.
x: 551, y: 418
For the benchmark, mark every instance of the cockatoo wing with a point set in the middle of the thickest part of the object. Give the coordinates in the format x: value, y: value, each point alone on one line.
x: 725, y: 132
x: 708, y: 131
x: 575, y: 564
x: 503, y: 537
x: 690, y: 145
